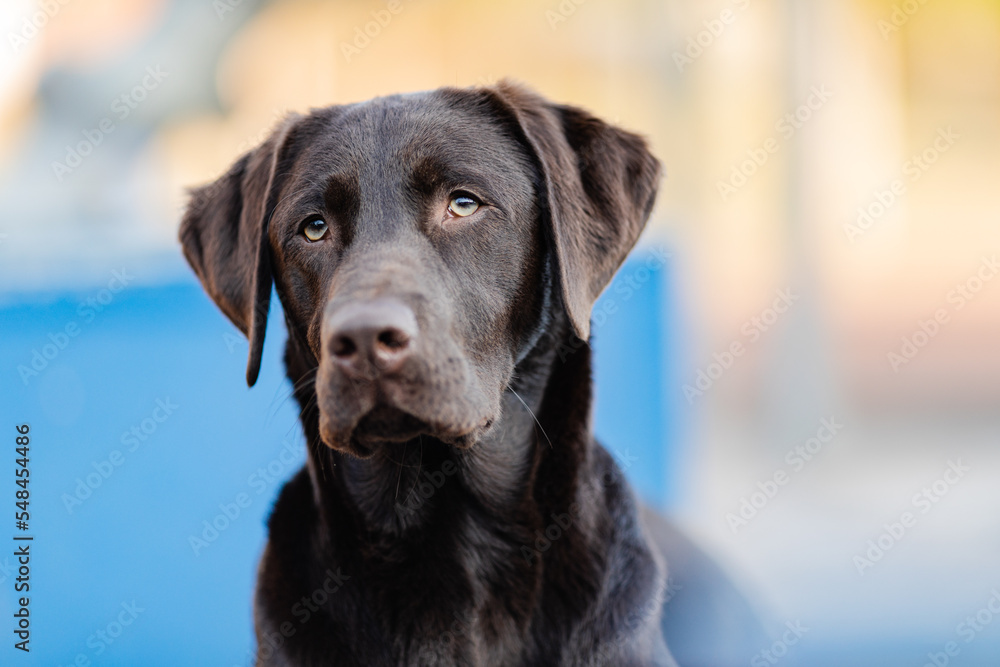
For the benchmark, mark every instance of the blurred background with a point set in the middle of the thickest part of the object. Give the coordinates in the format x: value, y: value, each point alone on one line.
x: 810, y: 348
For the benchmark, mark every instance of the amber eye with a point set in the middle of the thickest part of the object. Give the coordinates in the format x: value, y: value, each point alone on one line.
x: 462, y: 205
x: 315, y: 229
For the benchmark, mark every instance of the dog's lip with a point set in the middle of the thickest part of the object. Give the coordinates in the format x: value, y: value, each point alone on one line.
x: 387, y: 424
x: 371, y: 439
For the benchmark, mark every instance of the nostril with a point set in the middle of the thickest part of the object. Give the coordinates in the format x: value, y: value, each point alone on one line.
x: 367, y: 338
x: 343, y: 347
x: 393, y: 339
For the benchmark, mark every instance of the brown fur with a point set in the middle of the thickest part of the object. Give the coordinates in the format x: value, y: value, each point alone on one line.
x: 466, y: 575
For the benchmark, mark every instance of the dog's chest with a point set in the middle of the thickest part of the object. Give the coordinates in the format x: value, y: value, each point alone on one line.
x: 467, y: 605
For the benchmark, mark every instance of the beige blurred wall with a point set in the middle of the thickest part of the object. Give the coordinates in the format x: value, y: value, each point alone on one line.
x: 891, y: 94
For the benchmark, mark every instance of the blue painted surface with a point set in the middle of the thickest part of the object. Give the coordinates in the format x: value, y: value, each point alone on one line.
x: 633, y: 366
x: 127, y: 542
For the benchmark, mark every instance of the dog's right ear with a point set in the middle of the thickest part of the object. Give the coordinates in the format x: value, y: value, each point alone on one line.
x: 599, y: 184
x: 224, y: 237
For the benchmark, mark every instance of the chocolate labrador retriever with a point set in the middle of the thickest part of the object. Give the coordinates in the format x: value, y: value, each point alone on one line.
x: 437, y: 256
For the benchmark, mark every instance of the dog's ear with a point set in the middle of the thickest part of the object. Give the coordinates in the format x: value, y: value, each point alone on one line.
x: 224, y: 237
x: 600, y: 183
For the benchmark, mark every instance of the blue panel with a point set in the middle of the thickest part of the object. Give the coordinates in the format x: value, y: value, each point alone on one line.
x: 634, y: 352
x: 145, y: 352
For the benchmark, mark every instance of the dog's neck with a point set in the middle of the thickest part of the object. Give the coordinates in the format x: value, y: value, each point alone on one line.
x: 514, y: 531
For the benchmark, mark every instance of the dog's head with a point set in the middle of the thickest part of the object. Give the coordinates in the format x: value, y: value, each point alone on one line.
x: 411, y: 240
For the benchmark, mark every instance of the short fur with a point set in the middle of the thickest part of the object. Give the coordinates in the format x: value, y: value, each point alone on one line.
x: 456, y: 510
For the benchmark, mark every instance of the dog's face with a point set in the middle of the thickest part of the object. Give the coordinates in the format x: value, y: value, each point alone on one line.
x: 406, y: 240
x: 413, y: 240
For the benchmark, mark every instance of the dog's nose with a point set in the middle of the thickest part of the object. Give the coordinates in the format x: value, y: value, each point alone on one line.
x: 375, y: 334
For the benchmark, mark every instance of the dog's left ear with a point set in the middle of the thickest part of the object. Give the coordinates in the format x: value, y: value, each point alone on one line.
x: 224, y: 236
x: 600, y: 184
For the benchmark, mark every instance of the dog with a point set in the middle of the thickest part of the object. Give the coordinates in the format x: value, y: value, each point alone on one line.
x: 437, y: 256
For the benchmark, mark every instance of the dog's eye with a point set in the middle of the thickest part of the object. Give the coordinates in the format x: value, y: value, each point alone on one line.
x: 462, y: 205
x: 315, y: 230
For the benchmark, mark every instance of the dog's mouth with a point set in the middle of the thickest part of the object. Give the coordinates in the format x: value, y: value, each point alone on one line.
x: 385, y: 423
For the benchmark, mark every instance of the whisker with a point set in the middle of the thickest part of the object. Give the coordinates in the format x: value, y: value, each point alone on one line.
x: 389, y: 458
x: 416, y: 476
x: 399, y: 478
x: 305, y: 413
x: 307, y: 377
x: 532, y: 415
x: 303, y: 382
x: 318, y: 455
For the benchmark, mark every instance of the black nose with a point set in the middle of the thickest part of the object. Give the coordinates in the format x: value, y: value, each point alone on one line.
x: 368, y: 338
